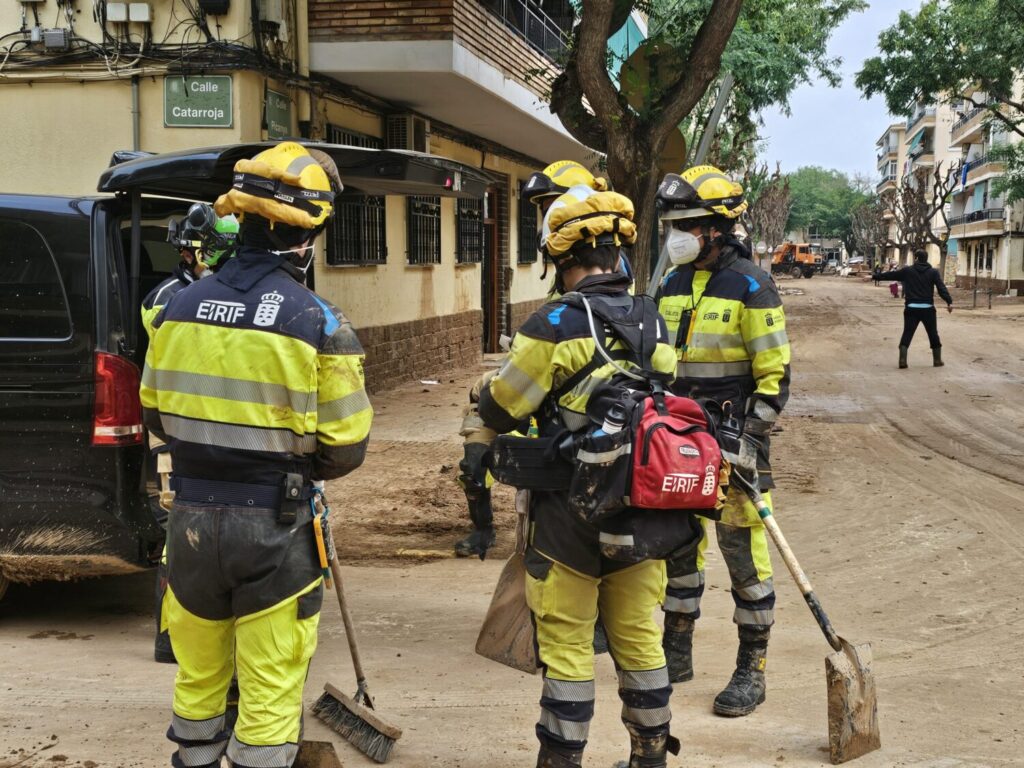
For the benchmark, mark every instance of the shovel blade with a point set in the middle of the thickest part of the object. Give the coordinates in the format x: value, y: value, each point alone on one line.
x: 852, y: 703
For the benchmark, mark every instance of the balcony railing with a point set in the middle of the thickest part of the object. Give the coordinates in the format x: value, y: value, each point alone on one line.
x: 985, y: 215
x: 919, y: 116
x: 966, y: 119
x: 887, y: 179
x: 921, y: 149
x: 532, y: 24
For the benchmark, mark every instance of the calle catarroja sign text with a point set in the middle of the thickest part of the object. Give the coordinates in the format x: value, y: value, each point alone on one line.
x: 198, y: 102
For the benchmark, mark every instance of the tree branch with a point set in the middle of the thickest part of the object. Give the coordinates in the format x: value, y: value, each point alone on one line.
x: 700, y: 69
x: 592, y: 65
x: 567, y: 103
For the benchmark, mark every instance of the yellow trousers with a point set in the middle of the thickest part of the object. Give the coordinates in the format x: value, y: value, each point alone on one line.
x: 272, y: 649
x: 565, y: 607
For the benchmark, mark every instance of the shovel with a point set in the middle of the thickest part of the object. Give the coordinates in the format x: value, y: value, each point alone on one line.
x: 852, y: 700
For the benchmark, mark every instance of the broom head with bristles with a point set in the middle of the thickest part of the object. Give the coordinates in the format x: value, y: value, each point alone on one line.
x: 357, y: 724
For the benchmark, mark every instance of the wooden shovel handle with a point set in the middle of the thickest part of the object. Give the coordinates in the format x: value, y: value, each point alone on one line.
x: 765, y: 513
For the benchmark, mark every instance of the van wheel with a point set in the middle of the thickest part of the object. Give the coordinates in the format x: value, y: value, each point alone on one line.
x: 809, y: 274
x: 795, y: 272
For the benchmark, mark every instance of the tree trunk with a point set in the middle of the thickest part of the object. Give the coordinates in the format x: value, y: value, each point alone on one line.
x: 634, y: 175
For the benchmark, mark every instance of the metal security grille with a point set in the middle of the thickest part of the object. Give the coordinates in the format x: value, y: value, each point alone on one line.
x: 423, y: 217
x: 527, y: 233
x: 358, y: 231
x: 469, y: 248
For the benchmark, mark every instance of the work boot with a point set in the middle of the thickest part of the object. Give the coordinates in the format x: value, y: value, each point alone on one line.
x: 678, y: 644
x: 746, y: 689
x: 937, y: 357
x: 649, y: 750
x: 477, y: 543
x: 903, y: 356
x: 551, y: 756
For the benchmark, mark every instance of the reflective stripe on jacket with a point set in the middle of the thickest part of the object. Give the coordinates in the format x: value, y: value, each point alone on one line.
x: 552, y: 345
x: 155, y: 299
x: 736, y: 345
x: 250, y: 375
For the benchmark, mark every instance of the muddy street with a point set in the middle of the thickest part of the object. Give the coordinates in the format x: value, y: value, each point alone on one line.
x: 900, y: 492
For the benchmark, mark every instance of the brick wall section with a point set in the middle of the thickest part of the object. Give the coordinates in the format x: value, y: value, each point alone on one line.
x: 464, y: 20
x: 523, y: 310
x: 420, y: 349
x: 350, y: 20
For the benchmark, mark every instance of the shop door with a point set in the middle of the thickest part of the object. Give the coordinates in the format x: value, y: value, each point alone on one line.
x: 490, y: 275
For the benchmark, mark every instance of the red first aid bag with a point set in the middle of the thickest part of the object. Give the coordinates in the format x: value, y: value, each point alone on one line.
x: 676, y: 460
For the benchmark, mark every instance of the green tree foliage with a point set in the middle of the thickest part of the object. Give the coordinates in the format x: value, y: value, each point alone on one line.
x: 824, y: 200
x: 952, y: 48
x: 769, y: 45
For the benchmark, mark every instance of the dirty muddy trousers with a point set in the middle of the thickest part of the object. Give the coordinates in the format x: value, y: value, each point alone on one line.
x: 565, y: 605
x: 914, y: 317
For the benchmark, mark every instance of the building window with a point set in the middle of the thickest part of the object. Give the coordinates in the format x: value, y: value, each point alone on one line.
x: 528, y: 234
x: 423, y: 217
x: 357, y: 234
x: 469, y: 228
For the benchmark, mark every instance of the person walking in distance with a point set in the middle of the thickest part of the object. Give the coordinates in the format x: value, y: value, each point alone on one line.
x: 920, y: 282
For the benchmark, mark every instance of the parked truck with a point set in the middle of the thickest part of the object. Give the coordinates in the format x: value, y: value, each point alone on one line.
x: 796, y: 259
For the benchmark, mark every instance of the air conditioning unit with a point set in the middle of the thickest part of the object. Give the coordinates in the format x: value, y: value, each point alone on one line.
x: 407, y: 131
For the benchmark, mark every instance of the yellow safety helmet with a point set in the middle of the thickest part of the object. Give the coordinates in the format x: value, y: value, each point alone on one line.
x: 700, y: 192
x: 582, y: 217
x: 557, y: 179
x: 285, y: 185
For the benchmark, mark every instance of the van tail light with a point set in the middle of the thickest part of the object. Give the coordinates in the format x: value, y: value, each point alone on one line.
x: 117, y: 415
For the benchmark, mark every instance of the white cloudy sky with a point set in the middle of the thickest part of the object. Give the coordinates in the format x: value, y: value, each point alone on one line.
x: 836, y: 127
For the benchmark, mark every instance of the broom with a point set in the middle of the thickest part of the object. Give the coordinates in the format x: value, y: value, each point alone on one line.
x: 352, y: 718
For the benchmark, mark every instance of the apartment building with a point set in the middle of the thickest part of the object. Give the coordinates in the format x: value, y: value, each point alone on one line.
x: 430, y: 282
x: 986, y: 234
x: 891, y: 157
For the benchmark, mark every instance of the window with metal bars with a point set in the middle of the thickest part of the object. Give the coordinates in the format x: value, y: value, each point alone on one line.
x: 469, y: 226
x: 357, y: 233
x: 423, y: 220
x: 527, y: 233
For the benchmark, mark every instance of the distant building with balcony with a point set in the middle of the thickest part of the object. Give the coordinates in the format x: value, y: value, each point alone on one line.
x: 891, y: 155
x: 985, y: 234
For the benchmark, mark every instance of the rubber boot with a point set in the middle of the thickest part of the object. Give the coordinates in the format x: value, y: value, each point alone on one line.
x: 647, y: 749
x: 482, y: 538
x: 678, y: 644
x: 746, y: 689
x: 903, y: 356
x: 553, y: 756
x: 937, y: 357
x: 162, y: 651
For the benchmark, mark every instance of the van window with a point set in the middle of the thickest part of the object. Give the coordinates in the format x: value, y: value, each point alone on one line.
x: 33, y: 304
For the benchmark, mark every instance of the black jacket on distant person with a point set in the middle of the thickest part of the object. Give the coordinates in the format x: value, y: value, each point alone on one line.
x: 919, y: 283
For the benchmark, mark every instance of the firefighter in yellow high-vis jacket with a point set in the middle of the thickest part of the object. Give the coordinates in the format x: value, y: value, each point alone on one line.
x: 568, y: 579
x: 540, y: 190
x: 257, y: 385
x: 729, y: 331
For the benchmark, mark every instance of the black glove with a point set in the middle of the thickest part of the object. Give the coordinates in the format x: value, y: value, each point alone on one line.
x: 473, y: 477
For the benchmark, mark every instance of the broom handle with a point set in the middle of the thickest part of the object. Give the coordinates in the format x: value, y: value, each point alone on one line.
x: 765, y: 513
x: 350, y: 630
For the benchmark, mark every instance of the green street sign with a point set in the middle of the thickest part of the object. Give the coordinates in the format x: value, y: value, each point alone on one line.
x: 278, y: 115
x: 197, y: 102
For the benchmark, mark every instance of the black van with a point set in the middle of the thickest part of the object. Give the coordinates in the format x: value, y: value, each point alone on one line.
x: 73, y: 465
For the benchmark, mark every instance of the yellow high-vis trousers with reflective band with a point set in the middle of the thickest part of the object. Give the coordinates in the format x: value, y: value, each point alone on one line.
x: 273, y: 648
x: 565, y: 606
x: 743, y: 541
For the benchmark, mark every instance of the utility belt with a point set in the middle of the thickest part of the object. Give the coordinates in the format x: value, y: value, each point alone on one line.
x: 287, y: 498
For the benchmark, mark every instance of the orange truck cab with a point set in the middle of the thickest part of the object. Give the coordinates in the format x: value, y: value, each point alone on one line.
x: 796, y: 259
